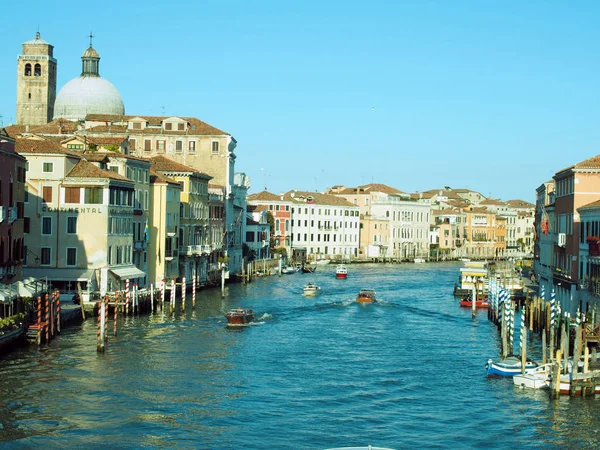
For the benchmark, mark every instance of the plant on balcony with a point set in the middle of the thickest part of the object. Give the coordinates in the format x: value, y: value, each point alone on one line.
x: 594, y: 239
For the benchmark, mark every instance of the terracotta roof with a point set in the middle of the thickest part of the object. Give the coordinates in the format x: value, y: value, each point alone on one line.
x: 365, y: 189
x: 162, y: 164
x: 491, y: 201
x: 85, y: 169
x: 520, y: 204
x: 105, y: 140
x: 445, y: 212
x: 107, y: 129
x: 250, y: 221
x: 377, y: 187
x: 201, y: 128
x: 480, y: 210
x: 265, y: 196
x: 101, y: 155
x: 41, y: 146
x: 301, y: 197
x: 156, y: 177
x: 57, y: 127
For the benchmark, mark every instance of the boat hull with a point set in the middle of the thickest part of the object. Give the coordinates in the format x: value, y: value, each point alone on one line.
x: 478, y: 304
x: 239, y: 317
x: 341, y: 276
x: 507, y: 368
x: 531, y: 381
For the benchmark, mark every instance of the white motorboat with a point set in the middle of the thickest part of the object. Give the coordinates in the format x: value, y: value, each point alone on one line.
x: 536, y: 378
x: 289, y: 269
x: 311, y: 289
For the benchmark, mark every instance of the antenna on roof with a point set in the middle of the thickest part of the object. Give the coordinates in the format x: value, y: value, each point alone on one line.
x: 162, y: 108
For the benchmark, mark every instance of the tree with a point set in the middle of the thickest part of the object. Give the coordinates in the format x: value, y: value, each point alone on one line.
x: 271, y: 223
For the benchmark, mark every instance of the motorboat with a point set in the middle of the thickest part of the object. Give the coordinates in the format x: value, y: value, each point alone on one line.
x: 341, y: 271
x: 239, y: 316
x: 507, y: 367
x: 321, y: 262
x: 536, y: 378
x: 366, y: 296
x: 480, y: 303
x: 419, y: 260
x: 311, y: 289
x: 305, y: 269
x: 289, y: 269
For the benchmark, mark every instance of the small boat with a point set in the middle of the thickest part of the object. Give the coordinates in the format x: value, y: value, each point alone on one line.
x: 239, y: 316
x: 341, y: 271
x: 419, y: 260
x: 289, y: 269
x: 466, y: 302
x: 536, y: 378
x: 308, y: 269
x: 321, y: 262
x: 311, y: 289
x: 366, y: 296
x: 507, y: 367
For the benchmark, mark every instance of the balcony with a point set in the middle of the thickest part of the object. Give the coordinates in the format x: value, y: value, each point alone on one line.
x: 12, y: 214
x: 190, y: 250
x: 171, y: 230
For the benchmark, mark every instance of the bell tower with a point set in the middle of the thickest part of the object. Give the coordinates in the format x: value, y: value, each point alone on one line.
x: 36, y: 82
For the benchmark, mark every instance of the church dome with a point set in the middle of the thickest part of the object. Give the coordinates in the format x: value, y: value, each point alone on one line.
x: 87, y: 95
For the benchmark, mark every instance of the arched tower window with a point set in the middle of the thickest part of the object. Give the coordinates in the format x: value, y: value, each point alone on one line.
x: 27, y: 70
x: 37, y: 71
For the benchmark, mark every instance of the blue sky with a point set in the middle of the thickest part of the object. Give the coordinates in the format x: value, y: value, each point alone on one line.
x: 494, y: 96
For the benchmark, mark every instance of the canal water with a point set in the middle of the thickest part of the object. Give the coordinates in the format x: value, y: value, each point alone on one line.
x: 312, y: 373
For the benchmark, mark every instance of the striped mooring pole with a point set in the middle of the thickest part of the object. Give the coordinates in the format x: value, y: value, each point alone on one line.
x: 127, y: 293
x: 183, y: 287
x: 194, y: 293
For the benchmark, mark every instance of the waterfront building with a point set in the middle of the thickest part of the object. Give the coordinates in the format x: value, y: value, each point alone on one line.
x: 485, y: 234
x: 281, y: 211
x: 92, y: 108
x: 163, y: 250
x: 545, y: 236
x: 327, y: 226
x: 449, y: 228
x: 503, y: 210
x: 589, y: 256
x: 138, y: 171
x: 78, y: 220
x: 446, y: 198
x: 216, y: 229
x: 258, y: 233
x: 575, y: 187
x: 36, y: 82
x: 12, y: 197
x: 193, y: 233
x: 188, y: 141
x: 376, y: 231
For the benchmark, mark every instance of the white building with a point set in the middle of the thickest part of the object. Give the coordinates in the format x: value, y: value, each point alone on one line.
x: 326, y: 225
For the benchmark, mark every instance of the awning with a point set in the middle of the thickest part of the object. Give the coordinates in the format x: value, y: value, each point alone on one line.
x: 126, y: 272
x: 55, y: 274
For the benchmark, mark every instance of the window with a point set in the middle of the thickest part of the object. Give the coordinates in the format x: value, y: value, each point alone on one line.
x: 179, y: 146
x: 93, y: 196
x: 192, y: 146
x: 72, y: 225
x: 72, y: 195
x: 181, y: 126
x: 75, y: 146
x: 27, y: 70
x: 47, y: 194
x: 136, y: 126
x: 168, y: 126
x: 114, y: 169
x: 71, y: 256
x: 132, y: 144
x: 48, y: 167
x: 215, y: 147
x: 160, y: 146
x: 26, y: 224
x: 45, y: 256
x: 147, y: 145
x: 46, y: 226
x: 37, y: 71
